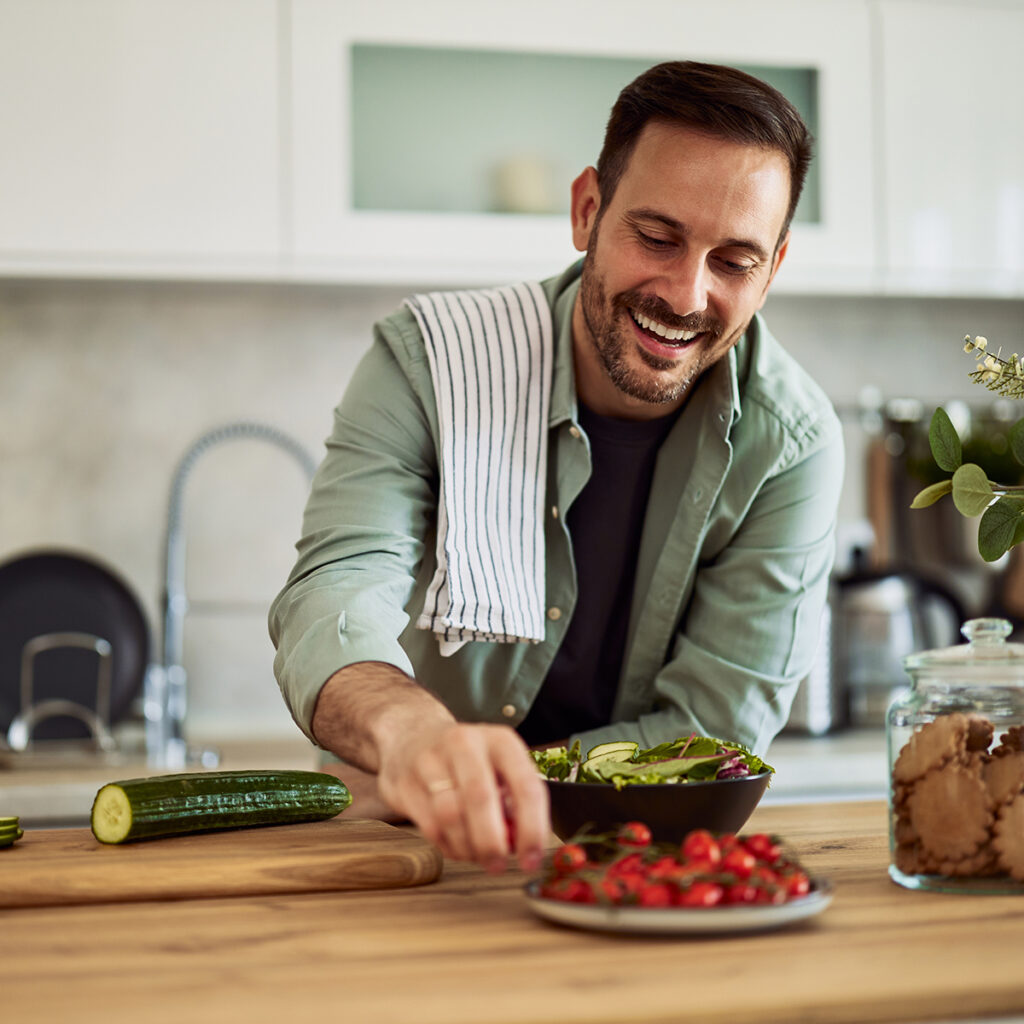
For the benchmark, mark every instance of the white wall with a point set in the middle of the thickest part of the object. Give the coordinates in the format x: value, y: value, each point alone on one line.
x: 104, y: 385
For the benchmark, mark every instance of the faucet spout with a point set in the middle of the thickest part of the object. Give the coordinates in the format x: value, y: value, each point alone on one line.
x: 166, y: 696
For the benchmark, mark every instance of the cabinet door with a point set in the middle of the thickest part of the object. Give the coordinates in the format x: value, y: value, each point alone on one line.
x: 138, y: 136
x: 953, y: 124
x: 335, y: 239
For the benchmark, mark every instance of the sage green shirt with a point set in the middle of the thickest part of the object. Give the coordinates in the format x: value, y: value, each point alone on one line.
x: 732, y: 573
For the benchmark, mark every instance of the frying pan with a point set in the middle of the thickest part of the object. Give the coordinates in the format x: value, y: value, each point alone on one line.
x: 63, y: 592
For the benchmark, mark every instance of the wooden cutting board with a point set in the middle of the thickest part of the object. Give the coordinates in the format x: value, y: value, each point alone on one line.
x: 65, y: 866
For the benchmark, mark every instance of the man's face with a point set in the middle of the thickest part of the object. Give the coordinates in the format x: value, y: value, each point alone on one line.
x: 676, y: 266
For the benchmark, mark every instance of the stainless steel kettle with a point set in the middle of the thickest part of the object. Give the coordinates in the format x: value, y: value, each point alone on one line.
x: 880, y: 617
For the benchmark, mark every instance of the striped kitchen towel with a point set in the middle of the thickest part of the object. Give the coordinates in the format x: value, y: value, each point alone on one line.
x: 490, y: 353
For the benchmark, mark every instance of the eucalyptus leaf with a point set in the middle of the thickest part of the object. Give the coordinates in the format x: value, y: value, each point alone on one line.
x: 1016, y: 438
x: 972, y: 492
x: 944, y: 442
x: 931, y: 494
x: 998, y: 527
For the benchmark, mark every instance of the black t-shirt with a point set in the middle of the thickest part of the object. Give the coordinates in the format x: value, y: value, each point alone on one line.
x: 605, y: 524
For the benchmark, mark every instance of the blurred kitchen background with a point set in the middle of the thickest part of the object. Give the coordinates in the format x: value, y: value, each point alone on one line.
x: 205, y: 205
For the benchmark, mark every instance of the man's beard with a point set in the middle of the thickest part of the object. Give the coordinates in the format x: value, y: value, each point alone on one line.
x: 612, y: 343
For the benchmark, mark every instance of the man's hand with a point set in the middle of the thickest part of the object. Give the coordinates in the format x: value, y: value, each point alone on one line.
x: 470, y: 788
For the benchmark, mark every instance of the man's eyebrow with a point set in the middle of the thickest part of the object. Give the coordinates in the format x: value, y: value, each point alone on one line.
x: 646, y: 213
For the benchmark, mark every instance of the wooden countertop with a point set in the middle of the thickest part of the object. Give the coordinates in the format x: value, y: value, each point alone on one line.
x: 467, y: 950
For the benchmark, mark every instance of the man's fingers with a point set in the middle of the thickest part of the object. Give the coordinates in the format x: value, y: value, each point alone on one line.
x: 474, y: 792
x: 526, y: 802
x: 480, y: 801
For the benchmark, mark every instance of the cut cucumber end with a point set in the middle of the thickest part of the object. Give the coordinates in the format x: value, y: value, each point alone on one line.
x: 111, y: 814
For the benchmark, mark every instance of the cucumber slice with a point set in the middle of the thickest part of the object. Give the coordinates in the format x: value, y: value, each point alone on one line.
x: 173, y: 805
x: 8, y: 821
x: 9, y: 837
x: 617, y: 752
x: 602, y: 750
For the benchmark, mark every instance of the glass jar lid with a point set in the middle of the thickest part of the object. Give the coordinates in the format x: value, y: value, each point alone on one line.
x: 987, y: 650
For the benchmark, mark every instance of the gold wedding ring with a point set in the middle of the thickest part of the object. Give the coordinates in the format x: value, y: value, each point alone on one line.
x: 440, y: 785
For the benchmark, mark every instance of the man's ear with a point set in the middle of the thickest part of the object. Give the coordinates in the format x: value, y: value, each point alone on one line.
x: 780, y: 255
x: 586, y: 201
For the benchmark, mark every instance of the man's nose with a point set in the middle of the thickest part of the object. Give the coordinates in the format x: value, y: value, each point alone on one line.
x: 686, y: 284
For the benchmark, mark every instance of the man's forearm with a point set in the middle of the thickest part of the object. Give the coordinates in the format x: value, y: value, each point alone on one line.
x: 364, y: 706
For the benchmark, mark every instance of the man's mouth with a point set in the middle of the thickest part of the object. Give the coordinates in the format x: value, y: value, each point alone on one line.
x: 662, y: 333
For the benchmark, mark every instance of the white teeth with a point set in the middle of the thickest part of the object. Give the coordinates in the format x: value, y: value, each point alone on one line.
x: 668, y: 333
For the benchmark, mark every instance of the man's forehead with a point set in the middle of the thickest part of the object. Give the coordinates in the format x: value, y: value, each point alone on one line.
x: 667, y: 155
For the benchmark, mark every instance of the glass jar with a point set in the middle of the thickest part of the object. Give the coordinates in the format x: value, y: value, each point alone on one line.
x: 956, y: 766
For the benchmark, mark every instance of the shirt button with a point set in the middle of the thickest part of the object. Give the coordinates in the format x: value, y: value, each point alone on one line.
x: 554, y: 614
x: 574, y: 431
x: 554, y: 511
x: 509, y: 711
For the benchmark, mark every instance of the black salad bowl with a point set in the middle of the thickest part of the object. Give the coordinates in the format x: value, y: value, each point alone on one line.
x: 669, y: 809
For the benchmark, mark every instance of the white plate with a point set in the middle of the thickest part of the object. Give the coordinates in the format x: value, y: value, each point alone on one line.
x: 680, y: 920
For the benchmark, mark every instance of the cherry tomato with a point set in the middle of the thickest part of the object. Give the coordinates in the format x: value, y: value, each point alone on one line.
x: 739, y: 862
x: 763, y: 847
x: 655, y: 894
x: 625, y: 865
x: 632, y: 881
x: 634, y: 833
x: 579, y: 891
x: 727, y: 841
x: 797, y: 884
x: 568, y: 858
x: 741, y: 892
x: 700, y: 894
x: 701, y: 845
x: 558, y: 889
x: 688, y: 868
x: 764, y: 875
x: 611, y: 889
x: 664, y: 867
x: 771, y: 894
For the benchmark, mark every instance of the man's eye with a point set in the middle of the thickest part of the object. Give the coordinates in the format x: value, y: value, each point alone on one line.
x: 652, y: 242
x: 737, y: 267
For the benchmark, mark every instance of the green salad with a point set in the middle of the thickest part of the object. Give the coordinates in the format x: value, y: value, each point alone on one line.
x: 624, y: 763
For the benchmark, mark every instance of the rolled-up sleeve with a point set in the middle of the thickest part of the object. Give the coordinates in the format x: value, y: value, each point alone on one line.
x: 371, y: 506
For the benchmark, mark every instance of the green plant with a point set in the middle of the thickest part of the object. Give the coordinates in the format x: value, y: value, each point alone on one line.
x: 1001, y: 506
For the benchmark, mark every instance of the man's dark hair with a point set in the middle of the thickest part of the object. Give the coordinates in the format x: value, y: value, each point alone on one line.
x: 710, y: 98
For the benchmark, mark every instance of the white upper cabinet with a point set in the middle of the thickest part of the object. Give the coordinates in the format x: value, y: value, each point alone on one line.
x: 952, y: 123
x: 433, y: 142
x: 436, y: 142
x: 139, y: 136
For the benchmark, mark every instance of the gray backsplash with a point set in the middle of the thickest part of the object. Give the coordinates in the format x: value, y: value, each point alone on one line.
x: 106, y: 384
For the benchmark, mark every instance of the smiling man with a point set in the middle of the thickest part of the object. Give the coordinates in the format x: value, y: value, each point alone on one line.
x: 598, y: 507
x: 690, y: 248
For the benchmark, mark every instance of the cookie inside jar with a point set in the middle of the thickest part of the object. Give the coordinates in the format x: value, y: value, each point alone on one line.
x: 957, y: 767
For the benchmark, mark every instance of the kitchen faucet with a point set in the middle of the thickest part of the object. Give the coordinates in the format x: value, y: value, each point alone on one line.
x: 165, y: 698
